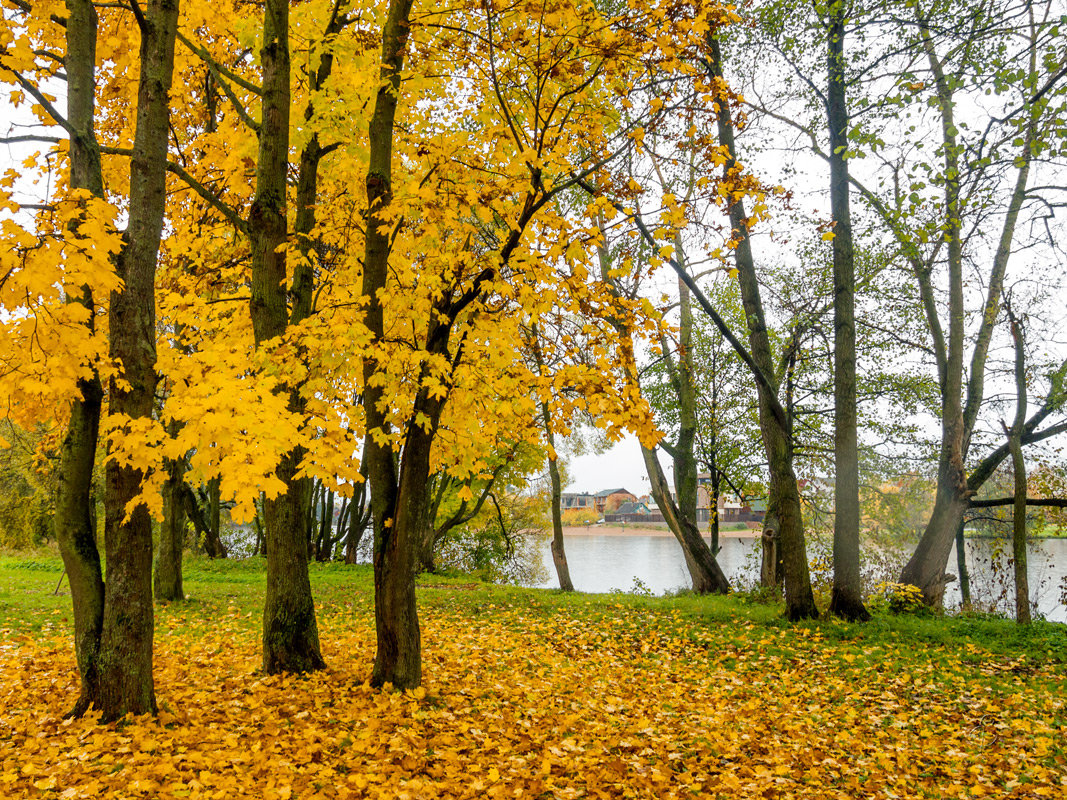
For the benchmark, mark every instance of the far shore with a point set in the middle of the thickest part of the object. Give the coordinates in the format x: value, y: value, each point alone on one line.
x: 639, y: 530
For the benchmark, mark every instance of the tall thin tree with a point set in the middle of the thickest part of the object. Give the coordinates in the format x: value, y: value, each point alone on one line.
x: 846, y: 600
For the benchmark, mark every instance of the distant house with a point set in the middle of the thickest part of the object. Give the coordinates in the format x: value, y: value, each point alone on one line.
x: 732, y: 509
x: 636, y: 508
x: 638, y: 512
x: 611, y: 499
x: 576, y: 501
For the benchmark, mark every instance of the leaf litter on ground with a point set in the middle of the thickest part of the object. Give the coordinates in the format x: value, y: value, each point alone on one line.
x: 530, y: 695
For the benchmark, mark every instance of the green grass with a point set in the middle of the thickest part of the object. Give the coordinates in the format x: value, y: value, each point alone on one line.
x: 29, y: 602
x: 603, y: 688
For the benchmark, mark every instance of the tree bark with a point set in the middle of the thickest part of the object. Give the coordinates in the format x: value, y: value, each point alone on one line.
x: 559, y: 554
x: 290, y: 630
x: 1015, y: 437
x: 395, y: 498
x: 74, y: 520
x: 846, y: 599
x: 213, y: 545
x: 713, y: 512
x: 126, y: 681
x: 167, y: 578
x: 784, y: 494
x: 684, y: 457
x: 961, y: 567
x: 704, y: 569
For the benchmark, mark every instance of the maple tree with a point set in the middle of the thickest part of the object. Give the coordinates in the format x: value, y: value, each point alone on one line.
x: 386, y: 271
x: 535, y: 135
x: 113, y: 619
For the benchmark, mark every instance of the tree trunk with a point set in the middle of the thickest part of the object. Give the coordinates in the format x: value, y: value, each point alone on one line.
x: 769, y: 561
x: 259, y: 548
x: 1015, y: 437
x: 354, y: 520
x: 961, y: 566
x: 213, y: 545
x: 559, y: 555
x: 926, y: 567
x: 326, y: 529
x: 428, y: 536
x: 395, y: 500
x: 685, y: 464
x: 75, y: 517
x: 713, y: 511
x: 126, y: 682
x: 846, y: 600
x: 352, y: 541
x: 168, y: 572
x: 777, y: 436
x: 704, y: 569
x: 290, y: 631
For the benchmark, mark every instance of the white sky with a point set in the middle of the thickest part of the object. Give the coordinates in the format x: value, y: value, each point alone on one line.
x: 619, y: 467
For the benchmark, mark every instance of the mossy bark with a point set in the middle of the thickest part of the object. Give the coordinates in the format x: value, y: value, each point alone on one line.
x: 74, y: 517
x: 846, y: 599
x: 784, y: 494
x: 126, y: 681
x: 290, y: 630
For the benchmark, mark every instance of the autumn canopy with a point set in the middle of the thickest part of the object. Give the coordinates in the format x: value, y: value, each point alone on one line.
x: 351, y: 243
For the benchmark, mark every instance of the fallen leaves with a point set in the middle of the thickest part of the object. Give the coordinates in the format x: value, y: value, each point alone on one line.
x: 524, y: 701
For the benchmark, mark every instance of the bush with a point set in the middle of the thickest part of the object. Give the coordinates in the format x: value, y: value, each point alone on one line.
x: 897, y: 598
x: 574, y: 517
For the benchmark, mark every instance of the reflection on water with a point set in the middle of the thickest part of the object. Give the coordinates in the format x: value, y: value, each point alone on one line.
x: 602, y: 563
x: 993, y: 581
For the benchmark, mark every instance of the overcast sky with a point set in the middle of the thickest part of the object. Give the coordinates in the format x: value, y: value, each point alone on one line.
x: 621, y: 467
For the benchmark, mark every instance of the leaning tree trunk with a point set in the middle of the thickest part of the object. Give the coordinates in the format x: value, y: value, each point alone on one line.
x: 126, y: 681
x: 559, y: 554
x: 685, y: 463
x: 846, y: 599
x: 74, y: 517
x: 704, y: 569
x: 776, y: 431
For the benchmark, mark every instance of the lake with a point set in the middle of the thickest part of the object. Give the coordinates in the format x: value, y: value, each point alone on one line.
x: 607, y: 562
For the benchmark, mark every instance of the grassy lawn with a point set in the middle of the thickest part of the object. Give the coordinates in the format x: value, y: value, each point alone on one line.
x: 536, y: 694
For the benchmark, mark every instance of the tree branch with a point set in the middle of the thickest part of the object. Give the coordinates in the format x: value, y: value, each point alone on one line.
x: 212, y: 199
x: 218, y: 68
x: 705, y: 304
x: 1046, y: 502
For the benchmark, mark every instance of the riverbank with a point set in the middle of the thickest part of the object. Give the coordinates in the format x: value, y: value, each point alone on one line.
x: 649, y: 530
